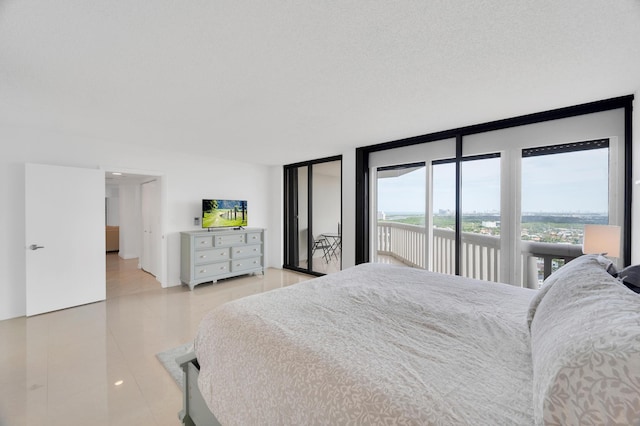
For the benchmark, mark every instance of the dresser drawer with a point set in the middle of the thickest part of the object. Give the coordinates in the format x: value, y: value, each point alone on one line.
x: 246, y: 251
x: 203, y: 242
x: 229, y: 240
x: 245, y: 264
x: 211, y: 270
x: 213, y: 255
x: 254, y: 237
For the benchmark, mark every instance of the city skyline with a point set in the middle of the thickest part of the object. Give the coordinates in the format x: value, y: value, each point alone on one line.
x: 573, y: 182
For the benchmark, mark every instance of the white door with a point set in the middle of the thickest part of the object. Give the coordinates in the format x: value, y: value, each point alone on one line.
x: 65, y: 237
x: 150, y: 226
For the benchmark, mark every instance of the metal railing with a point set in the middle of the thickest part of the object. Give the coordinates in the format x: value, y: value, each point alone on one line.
x: 480, y: 252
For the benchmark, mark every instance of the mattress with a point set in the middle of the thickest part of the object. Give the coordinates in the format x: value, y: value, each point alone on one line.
x: 373, y: 344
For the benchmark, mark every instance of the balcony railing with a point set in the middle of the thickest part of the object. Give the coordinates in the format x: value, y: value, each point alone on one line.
x: 480, y: 253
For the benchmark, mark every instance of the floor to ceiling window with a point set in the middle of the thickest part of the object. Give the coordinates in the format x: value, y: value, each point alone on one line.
x: 313, y: 216
x: 400, y: 215
x: 502, y: 202
x: 563, y: 188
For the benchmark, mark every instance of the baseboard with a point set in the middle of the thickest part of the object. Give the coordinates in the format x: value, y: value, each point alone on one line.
x: 126, y: 256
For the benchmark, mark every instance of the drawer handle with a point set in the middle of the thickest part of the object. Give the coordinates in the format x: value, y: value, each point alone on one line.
x: 203, y: 242
x: 222, y: 254
x: 202, y: 271
x: 204, y: 256
x: 238, y: 251
x: 222, y: 268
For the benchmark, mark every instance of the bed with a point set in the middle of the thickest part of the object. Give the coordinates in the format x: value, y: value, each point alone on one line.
x: 381, y: 344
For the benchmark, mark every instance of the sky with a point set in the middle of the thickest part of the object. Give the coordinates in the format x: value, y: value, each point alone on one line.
x: 558, y: 183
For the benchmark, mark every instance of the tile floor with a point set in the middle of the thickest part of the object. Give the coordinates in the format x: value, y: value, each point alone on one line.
x: 96, y: 365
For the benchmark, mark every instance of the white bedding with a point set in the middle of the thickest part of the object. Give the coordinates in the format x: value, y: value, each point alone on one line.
x: 374, y: 344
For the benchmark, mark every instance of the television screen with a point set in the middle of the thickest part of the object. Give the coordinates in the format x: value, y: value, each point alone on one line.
x: 224, y: 213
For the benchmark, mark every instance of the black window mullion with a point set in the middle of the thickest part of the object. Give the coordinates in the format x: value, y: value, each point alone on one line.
x: 458, y: 225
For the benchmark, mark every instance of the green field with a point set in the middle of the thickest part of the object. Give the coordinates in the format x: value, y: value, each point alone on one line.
x: 223, y: 217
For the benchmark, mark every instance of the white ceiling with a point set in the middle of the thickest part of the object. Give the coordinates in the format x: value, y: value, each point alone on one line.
x: 276, y: 82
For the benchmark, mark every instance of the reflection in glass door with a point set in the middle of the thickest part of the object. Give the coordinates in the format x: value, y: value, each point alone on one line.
x: 400, y: 219
x: 326, y: 248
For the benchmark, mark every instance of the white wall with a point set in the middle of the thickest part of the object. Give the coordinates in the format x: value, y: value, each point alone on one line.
x: 326, y: 203
x: 274, y: 248
x: 188, y: 180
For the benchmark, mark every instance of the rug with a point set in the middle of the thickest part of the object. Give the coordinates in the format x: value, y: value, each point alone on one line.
x: 168, y: 360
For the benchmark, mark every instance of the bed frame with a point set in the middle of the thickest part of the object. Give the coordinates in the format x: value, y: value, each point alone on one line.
x: 194, y: 410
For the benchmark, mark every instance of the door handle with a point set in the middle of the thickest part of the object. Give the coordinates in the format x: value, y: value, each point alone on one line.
x: 35, y: 247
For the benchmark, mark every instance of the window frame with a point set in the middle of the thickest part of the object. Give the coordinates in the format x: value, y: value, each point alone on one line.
x: 362, y: 231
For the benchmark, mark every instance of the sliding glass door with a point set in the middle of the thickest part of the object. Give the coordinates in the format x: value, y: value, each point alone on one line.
x: 467, y: 223
x: 326, y: 207
x: 313, y: 216
x: 400, y: 220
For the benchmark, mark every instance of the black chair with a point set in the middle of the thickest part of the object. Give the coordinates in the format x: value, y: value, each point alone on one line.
x: 321, y: 243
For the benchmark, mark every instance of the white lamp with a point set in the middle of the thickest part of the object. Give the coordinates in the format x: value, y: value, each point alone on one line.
x: 601, y: 239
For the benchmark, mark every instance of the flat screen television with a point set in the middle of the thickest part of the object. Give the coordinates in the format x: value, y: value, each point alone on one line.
x: 224, y: 213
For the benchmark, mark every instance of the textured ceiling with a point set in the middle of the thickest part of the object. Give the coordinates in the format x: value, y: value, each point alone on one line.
x: 276, y: 82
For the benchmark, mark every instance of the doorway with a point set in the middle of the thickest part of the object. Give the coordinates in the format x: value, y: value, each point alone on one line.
x: 137, y: 198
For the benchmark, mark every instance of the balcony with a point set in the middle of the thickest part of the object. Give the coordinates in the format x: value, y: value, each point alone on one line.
x: 480, y: 253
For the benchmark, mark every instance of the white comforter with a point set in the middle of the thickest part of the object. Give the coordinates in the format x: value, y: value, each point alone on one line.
x: 374, y: 344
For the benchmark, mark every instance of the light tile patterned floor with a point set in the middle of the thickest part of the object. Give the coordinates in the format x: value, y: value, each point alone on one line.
x: 62, y: 368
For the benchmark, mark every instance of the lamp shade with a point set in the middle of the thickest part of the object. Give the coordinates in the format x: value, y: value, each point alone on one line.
x: 601, y: 239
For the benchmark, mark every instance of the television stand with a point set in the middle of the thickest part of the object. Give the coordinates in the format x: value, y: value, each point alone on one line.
x: 207, y: 256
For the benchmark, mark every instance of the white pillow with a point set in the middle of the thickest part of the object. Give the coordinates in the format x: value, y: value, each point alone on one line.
x: 569, y: 268
x: 585, y: 348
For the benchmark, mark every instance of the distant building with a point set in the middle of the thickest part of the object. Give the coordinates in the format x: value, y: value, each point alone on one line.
x: 382, y: 215
x: 491, y: 224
